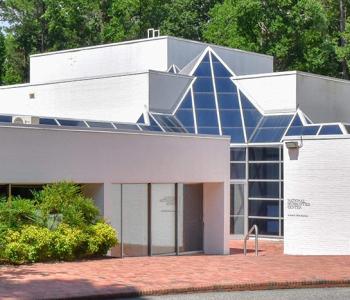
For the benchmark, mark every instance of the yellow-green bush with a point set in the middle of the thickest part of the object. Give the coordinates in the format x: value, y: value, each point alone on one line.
x: 61, y: 224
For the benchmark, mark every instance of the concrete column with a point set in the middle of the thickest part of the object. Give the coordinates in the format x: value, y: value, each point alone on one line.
x: 216, y: 218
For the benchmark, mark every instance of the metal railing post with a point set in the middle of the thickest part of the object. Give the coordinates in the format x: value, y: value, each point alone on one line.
x: 246, y: 238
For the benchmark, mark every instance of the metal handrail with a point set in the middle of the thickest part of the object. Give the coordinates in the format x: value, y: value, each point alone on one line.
x: 246, y: 237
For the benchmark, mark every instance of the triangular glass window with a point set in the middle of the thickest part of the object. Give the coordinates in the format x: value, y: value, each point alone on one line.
x: 251, y: 115
x: 141, y: 119
x: 185, y: 113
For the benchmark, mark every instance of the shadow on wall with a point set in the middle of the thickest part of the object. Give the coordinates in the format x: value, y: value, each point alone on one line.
x: 16, y: 284
x: 293, y: 153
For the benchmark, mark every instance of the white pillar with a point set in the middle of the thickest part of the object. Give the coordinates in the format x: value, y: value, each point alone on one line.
x: 216, y: 218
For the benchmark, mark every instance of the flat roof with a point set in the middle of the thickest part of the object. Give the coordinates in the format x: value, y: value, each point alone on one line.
x: 111, y: 131
x: 288, y: 73
x: 29, y: 84
x: 144, y: 40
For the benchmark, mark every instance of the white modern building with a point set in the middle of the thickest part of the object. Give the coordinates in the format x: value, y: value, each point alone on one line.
x: 185, y: 145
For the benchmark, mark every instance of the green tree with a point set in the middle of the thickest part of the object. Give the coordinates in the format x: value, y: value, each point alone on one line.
x: 36, y: 26
x: 295, y: 32
x: 2, y: 57
x: 15, y: 66
x: 130, y: 19
x: 186, y: 18
x: 343, y: 50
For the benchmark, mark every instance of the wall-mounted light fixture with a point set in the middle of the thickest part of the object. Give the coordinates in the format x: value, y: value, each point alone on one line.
x: 294, y: 144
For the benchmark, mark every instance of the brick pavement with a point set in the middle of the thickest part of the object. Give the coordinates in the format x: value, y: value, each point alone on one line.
x: 159, y: 275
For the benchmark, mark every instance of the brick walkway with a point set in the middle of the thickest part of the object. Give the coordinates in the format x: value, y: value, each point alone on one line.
x: 173, y: 274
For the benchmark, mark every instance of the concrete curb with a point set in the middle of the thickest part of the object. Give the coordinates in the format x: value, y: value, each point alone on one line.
x: 216, y: 288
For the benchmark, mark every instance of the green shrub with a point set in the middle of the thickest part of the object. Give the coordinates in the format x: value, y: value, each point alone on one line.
x: 68, y: 243
x: 66, y: 199
x: 16, y: 253
x: 60, y: 224
x: 101, y: 237
x: 36, y: 241
x: 17, y: 212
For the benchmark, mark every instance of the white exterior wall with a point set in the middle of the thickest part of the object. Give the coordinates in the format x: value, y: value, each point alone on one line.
x: 137, y: 56
x: 36, y: 156
x: 318, y: 174
x: 323, y: 99
x: 126, y: 57
x: 118, y: 98
x: 271, y: 92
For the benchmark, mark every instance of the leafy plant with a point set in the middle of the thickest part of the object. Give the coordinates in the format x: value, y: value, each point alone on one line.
x: 66, y: 200
x: 101, y: 237
x: 59, y: 224
x: 18, y: 212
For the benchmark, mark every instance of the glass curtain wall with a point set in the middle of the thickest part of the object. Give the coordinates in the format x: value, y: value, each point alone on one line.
x: 265, y: 194
x: 257, y: 190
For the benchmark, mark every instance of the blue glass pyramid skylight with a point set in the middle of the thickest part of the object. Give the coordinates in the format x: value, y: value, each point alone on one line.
x: 251, y: 115
x: 204, y: 98
x: 185, y: 113
x: 228, y: 102
x: 271, y: 129
x: 214, y: 104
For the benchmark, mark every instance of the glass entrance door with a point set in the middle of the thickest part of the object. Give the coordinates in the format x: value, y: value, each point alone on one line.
x: 237, y: 209
x: 163, y: 214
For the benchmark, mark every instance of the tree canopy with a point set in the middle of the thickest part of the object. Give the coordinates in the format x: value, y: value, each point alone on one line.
x: 307, y: 35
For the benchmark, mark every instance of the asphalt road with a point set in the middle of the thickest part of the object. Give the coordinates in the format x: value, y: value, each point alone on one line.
x: 291, y: 294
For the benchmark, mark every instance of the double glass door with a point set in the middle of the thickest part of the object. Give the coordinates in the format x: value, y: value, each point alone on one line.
x: 161, y: 219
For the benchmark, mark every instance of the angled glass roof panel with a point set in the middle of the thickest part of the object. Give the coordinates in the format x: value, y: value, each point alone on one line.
x: 124, y: 126
x: 203, y: 70
x: 295, y: 130
x: 276, y: 121
x: 5, y: 119
x: 230, y: 118
x: 186, y: 118
x: 204, y: 101
x: 207, y: 118
x: 268, y: 135
x: 185, y: 113
x: 271, y: 129
x: 203, y: 85
x: 141, y: 119
x: 206, y: 57
x: 310, y: 130
x: 75, y: 123
x: 208, y: 130
x: 228, y: 101
x: 219, y: 69
x: 169, y: 123
x: 186, y: 102
x: 330, y: 129
x: 48, y: 121
x: 236, y: 133
x: 297, y: 121
x: 99, y: 124
x: 251, y: 115
x: 225, y: 85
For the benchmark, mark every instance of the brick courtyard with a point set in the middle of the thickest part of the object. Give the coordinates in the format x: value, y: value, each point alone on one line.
x: 170, y: 274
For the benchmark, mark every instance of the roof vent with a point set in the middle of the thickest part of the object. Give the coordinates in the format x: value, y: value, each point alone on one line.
x: 152, y: 33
